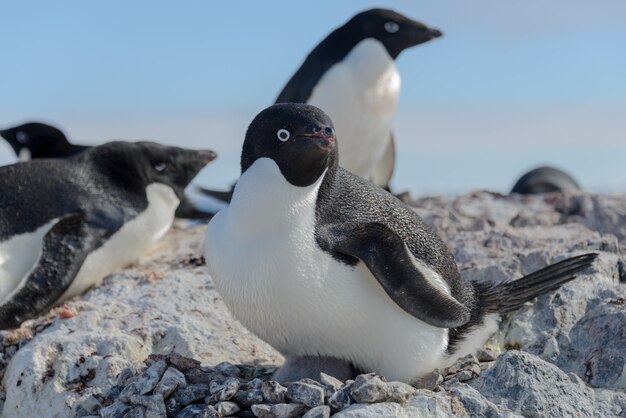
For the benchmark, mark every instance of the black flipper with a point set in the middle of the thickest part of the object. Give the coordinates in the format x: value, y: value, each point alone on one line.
x: 510, y: 295
x: 187, y: 210
x: 395, y: 268
x: 65, y: 248
x: 218, y: 194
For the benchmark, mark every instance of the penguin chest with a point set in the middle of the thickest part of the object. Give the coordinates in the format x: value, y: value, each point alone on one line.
x: 133, y: 240
x: 18, y: 255
x: 360, y: 94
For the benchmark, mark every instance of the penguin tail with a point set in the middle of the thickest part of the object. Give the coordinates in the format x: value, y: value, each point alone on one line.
x: 510, y: 295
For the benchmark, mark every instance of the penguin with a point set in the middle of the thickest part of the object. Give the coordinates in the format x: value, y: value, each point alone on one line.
x: 66, y: 223
x: 545, y: 180
x: 336, y: 273
x: 351, y: 74
x: 39, y: 140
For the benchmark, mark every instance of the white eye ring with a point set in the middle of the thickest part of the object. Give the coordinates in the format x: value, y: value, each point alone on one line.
x: 22, y: 137
x: 160, y: 167
x: 392, y: 27
x: 283, y: 135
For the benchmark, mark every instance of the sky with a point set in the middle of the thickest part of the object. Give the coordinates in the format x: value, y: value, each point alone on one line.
x: 510, y: 85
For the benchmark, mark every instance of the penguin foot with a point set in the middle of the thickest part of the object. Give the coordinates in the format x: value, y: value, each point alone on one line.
x: 296, y: 368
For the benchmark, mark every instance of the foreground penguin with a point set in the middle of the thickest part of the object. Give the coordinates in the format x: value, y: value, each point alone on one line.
x: 66, y: 223
x: 339, y: 275
x: 545, y: 180
x: 37, y: 140
x: 352, y: 76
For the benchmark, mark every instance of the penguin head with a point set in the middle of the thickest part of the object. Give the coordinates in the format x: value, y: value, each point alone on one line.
x: 395, y: 31
x: 35, y: 140
x: 299, y: 138
x: 136, y: 165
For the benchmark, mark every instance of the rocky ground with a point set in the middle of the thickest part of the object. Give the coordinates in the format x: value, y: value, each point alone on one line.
x: 156, y: 340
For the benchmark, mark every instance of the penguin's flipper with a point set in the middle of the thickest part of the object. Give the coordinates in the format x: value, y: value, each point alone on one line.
x: 65, y: 248
x: 385, y: 166
x: 217, y: 194
x: 413, y: 286
x: 187, y: 210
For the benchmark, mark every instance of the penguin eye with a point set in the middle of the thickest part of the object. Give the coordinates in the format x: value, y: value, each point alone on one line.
x: 392, y: 27
x: 22, y: 137
x: 283, y: 134
x: 160, y: 167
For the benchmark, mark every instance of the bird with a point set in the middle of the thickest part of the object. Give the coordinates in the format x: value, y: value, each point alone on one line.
x: 65, y: 223
x: 34, y: 140
x: 336, y: 273
x: 351, y: 74
x: 545, y: 179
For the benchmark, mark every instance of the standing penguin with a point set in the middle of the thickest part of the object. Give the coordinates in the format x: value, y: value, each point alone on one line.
x: 352, y: 76
x: 339, y: 275
x: 37, y: 140
x: 66, y: 223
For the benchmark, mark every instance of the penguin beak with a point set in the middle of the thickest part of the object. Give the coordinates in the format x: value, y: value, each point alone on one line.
x: 206, y: 156
x: 325, y: 142
x: 423, y: 34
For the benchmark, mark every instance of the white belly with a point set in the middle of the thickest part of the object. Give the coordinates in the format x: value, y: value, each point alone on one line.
x: 17, y: 257
x: 360, y: 95
x: 130, y: 242
x: 282, y: 287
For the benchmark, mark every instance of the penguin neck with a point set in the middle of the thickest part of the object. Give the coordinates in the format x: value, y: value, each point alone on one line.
x: 369, y: 61
x: 264, y: 200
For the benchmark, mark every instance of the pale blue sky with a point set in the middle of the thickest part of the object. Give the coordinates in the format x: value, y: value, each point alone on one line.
x: 509, y: 86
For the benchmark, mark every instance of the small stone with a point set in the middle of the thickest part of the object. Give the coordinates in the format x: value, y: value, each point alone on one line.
x: 254, y: 384
x: 328, y: 380
x: 248, y: 397
x: 172, y: 407
x: 209, y: 412
x: 185, y: 395
x: 246, y: 371
x: 124, y: 375
x: 322, y: 411
x: 155, y: 405
x: 182, y: 363
x: 171, y: 380
x: 306, y: 393
x: 431, y: 380
x: 450, y: 370
x: 400, y: 391
x: 88, y: 406
x: 127, y: 392
x: 282, y: 410
x: 340, y: 399
x: 226, y: 408
x: 225, y: 390
x: 264, y: 371
x: 228, y: 369
x: 136, y: 412
x: 466, y: 361
x: 486, y: 366
x: 115, y: 410
x: 369, y: 388
x: 150, y: 377
x: 485, y: 354
x: 201, y: 375
x: 474, y: 368
x: 273, y: 392
x: 191, y: 411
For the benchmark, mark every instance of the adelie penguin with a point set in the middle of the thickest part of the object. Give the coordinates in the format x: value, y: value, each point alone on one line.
x: 66, y: 223
x: 545, y: 180
x: 38, y: 140
x: 339, y: 275
x: 353, y: 77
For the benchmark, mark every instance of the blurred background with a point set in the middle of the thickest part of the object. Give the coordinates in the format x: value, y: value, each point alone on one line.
x: 510, y: 86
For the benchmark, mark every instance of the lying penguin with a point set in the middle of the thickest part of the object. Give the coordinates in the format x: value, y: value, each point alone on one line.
x: 336, y: 273
x: 352, y: 76
x: 37, y: 140
x: 545, y: 180
x: 66, y: 223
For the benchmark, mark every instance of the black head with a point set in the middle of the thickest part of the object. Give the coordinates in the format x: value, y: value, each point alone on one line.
x: 135, y: 165
x: 397, y: 32
x: 300, y: 138
x: 41, y: 140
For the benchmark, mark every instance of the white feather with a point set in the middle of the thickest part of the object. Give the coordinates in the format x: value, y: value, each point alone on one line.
x: 262, y: 255
x: 360, y: 94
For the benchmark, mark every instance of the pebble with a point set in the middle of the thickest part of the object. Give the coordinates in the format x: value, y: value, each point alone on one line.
x: 228, y: 369
x: 370, y: 388
x: 115, y: 410
x: 185, y: 395
x: 248, y: 397
x: 171, y: 380
x: 306, y: 393
x: 184, y: 364
x: 136, y: 412
x: 340, y: 399
x: 484, y: 355
x: 225, y: 390
x: 282, y: 410
x: 226, y: 408
x: 155, y: 405
x: 322, y: 411
x: 400, y: 391
x: 273, y: 392
x: 431, y: 380
x: 149, y: 378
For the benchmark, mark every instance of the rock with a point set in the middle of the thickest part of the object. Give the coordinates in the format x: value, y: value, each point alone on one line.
x: 248, y: 397
x: 182, y: 363
x: 273, y: 392
x: 136, y: 412
x: 424, y: 404
x: 203, y: 375
x: 155, y: 405
x: 484, y: 355
x: 172, y: 407
x: 128, y: 391
x: 308, y: 394
x: 369, y: 388
x: 228, y: 369
x: 185, y: 395
x: 116, y: 410
x: 148, y: 379
x: 433, y: 379
x: 226, y: 408
x: 476, y: 404
x: 197, y: 411
x: 322, y: 411
x: 225, y: 390
x: 341, y: 399
x: 171, y: 379
x: 283, y: 410
x: 330, y: 381
x: 400, y: 391
x: 254, y: 384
